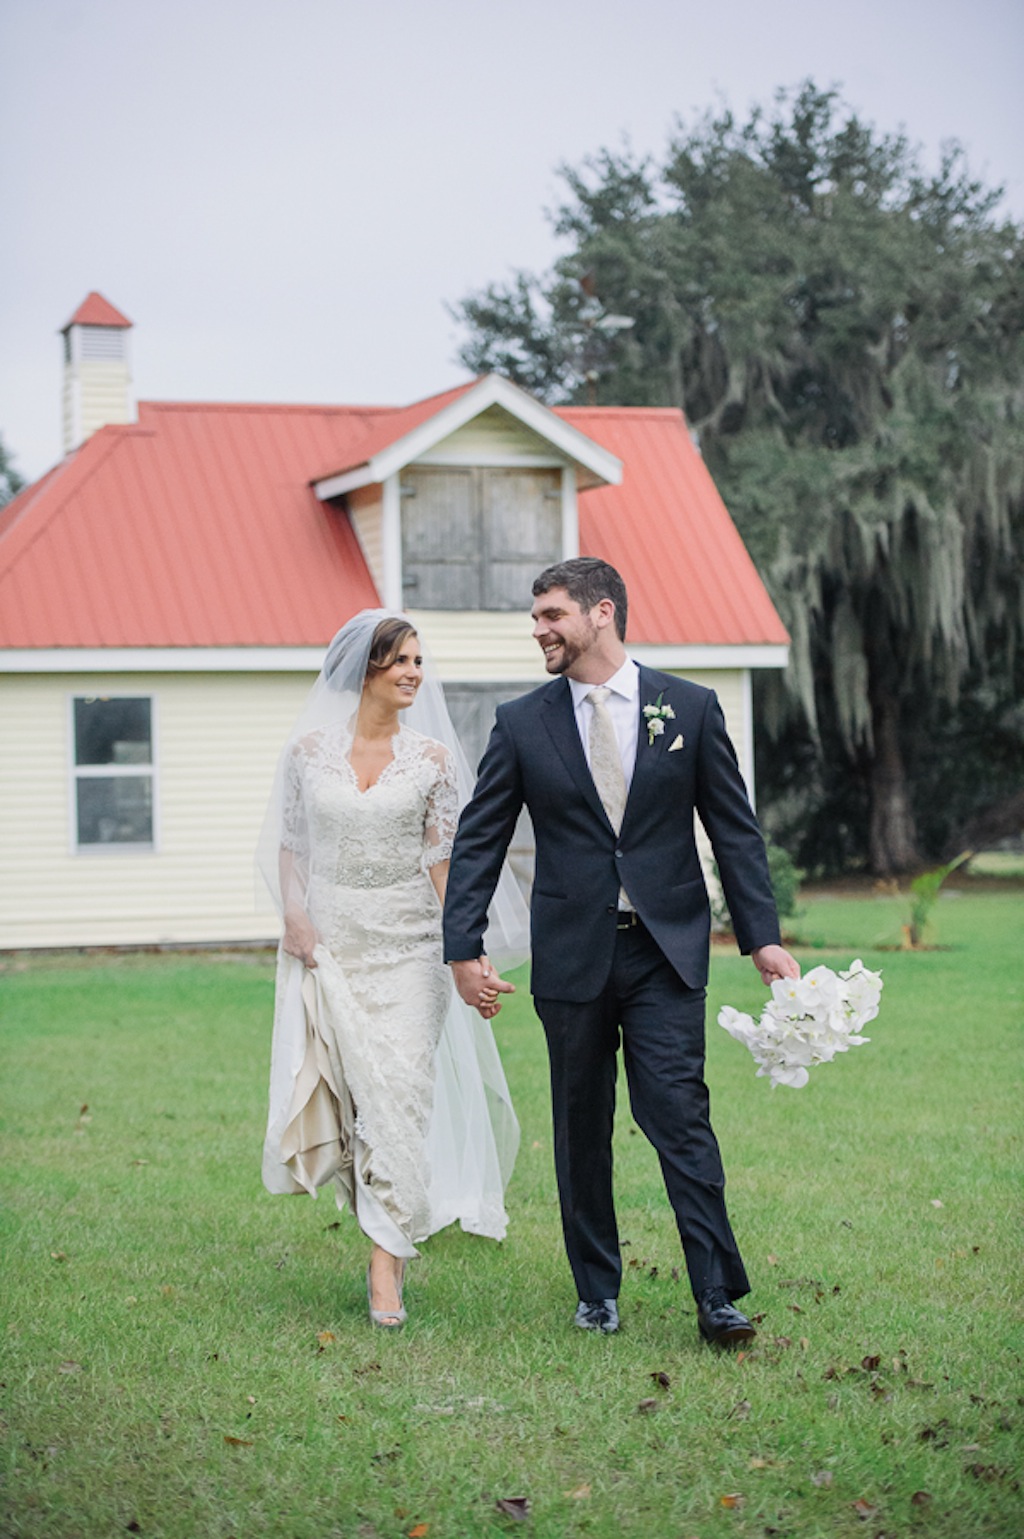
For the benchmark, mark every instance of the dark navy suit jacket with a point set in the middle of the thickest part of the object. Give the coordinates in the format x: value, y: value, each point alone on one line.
x: 535, y: 758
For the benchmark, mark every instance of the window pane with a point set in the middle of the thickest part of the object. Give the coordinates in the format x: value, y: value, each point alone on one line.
x: 112, y: 731
x: 118, y: 810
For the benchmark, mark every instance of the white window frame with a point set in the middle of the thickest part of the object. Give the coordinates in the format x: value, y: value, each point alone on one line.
x: 77, y: 772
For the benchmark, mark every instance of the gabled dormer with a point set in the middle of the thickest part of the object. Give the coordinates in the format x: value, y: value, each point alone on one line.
x: 459, y: 502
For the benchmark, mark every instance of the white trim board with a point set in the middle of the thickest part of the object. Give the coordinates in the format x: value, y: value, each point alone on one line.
x: 603, y: 467
x: 308, y: 659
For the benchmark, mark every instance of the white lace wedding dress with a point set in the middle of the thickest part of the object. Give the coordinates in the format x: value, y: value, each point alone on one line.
x: 358, y: 1038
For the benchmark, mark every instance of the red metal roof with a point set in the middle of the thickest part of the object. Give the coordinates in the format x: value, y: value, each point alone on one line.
x: 392, y: 424
x: 689, y: 576
x: 96, y: 311
x: 198, y: 527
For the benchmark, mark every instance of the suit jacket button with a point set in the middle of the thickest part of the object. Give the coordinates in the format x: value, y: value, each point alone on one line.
x: 612, y: 908
x: 618, y: 854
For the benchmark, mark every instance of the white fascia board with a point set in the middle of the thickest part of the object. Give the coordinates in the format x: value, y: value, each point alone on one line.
x: 491, y: 391
x: 309, y: 659
x: 161, y: 660
x: 672, y: 658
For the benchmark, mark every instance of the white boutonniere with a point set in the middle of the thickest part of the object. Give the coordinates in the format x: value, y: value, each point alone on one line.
x: 656, y: 716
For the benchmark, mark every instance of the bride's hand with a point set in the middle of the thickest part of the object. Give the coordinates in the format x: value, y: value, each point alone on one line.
x: 479, y: 985
x: 300, y: 936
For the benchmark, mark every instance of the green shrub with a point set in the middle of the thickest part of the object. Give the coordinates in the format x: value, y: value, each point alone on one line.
x: 785, y: 876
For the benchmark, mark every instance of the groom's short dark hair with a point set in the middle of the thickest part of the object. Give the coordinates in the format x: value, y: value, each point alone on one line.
x: 587, y: 580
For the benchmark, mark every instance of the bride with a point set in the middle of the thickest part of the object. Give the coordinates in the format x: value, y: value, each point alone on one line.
x: 381, y: 1080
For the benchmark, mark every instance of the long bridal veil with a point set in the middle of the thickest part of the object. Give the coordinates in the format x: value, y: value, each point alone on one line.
x: 473, y: 1134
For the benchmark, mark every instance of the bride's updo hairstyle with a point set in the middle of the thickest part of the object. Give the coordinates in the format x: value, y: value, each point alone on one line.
x: 388, y: 640
x: 368, y: 643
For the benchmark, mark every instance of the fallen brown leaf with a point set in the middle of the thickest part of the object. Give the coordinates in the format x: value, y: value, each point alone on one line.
x: 822, y: 1478
x: 864, y: 1509
x: 57, y: 1255
x: 920, y: 1498
x: 647, y: 1406
x: 238, y: 1442
x: 872, y: 1363
x: 580, y: 1494
x: 69, y: 1367
x: 420, y: 1531
x: 325, y: 1338
x: 741, y: 1410
x: 661, y: 1378
x: 733, y: 1501
x: 771, y: 1259
x: 984, y: 1471
x: 759, y: 1464
x: 517, y: 1507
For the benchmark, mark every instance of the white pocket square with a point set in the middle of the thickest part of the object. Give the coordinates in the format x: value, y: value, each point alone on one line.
x: 678, y: 743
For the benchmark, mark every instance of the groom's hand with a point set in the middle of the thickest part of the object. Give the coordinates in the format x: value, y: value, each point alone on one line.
x: 774, y: 962
x: 479, y: 985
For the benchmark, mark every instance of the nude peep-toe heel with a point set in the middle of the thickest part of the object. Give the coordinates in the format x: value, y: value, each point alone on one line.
x: 387, y: 1319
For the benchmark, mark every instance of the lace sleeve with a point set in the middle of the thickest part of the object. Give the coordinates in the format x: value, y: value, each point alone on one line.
x: 442, y: 808
x: 294, y: 830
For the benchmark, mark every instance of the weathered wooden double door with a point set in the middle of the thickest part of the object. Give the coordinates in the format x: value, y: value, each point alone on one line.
x: 476, y: 538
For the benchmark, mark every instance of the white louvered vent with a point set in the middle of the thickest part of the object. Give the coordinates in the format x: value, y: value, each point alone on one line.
x: 103, y: 342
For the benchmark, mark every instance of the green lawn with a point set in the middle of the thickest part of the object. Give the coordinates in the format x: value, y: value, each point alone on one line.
x: 183, y: 1355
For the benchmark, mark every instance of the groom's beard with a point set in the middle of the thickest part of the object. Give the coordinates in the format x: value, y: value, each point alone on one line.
x: 571, y: 649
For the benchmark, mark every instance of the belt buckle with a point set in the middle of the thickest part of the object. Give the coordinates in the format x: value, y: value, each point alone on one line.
x: 627, y: 919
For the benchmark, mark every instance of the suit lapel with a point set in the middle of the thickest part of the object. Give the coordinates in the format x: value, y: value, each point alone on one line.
x: 559, y: 718
x: 646, y: 752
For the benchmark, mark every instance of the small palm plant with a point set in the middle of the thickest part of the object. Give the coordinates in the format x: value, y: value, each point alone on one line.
x: 924, y: 890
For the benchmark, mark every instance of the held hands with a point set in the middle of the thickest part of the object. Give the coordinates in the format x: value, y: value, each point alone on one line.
x: 774, y: 962
x: 479, y: 986
x: 300, y: 936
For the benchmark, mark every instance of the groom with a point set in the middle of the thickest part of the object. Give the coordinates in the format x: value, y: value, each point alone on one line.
x: 612, y: 760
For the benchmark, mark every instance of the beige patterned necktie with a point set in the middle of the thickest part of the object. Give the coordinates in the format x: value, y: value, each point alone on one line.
x: 605, y: 763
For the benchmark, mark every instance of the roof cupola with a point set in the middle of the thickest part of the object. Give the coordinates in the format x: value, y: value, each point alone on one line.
x: 97, y: 370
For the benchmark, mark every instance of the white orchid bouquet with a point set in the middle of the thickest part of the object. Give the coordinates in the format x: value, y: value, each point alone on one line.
x: 808, y: 1020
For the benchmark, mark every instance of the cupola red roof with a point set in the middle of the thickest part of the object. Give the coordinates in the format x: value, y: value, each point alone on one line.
x: 97, y: 311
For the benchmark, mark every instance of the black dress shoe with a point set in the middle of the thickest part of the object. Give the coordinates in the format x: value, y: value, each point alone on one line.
x: 602, y: 1315
x: 721, y: 1323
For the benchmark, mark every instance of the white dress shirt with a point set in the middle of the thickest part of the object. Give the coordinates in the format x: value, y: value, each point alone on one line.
x: 623, y: 707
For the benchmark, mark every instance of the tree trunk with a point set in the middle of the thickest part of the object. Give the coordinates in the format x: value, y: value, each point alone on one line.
x: 1000, y: 820
x: 892, y: 836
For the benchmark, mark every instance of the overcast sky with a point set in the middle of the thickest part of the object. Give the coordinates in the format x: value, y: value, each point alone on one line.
x: 282, y: 194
